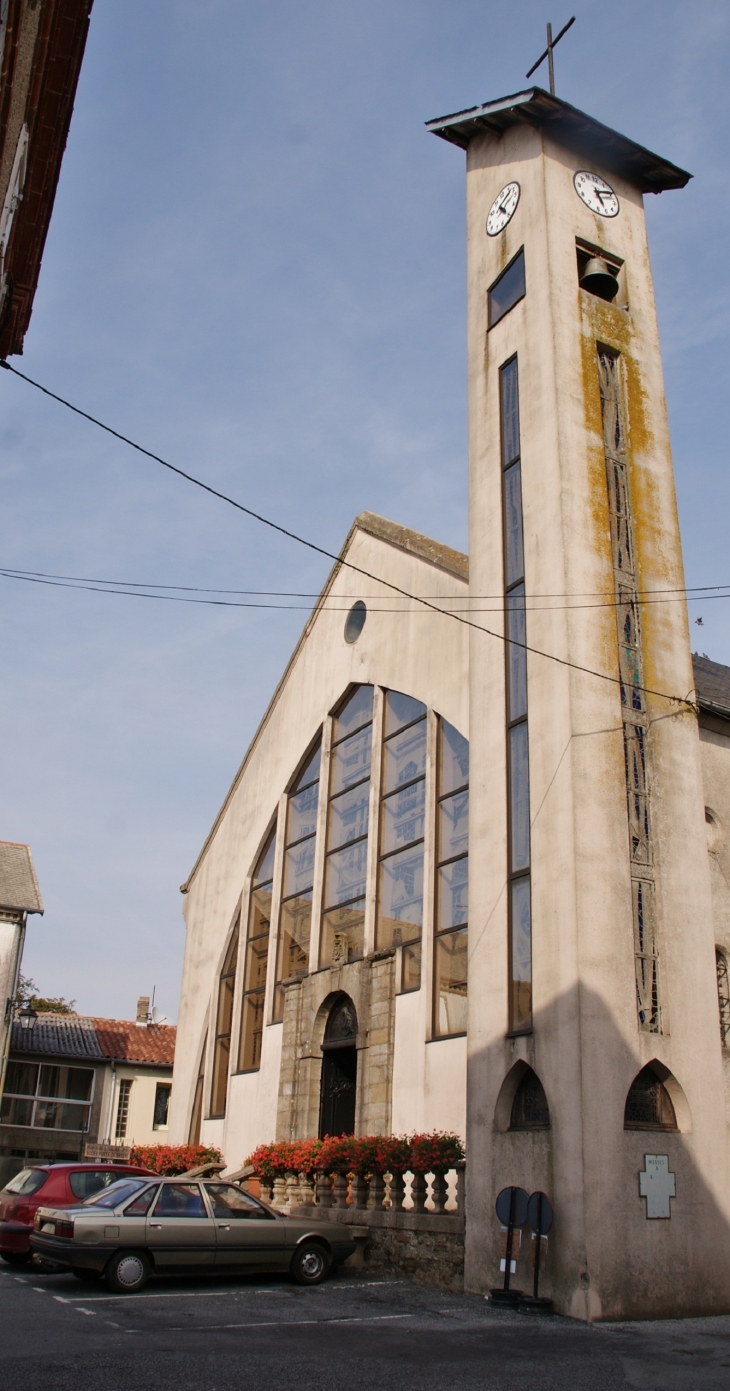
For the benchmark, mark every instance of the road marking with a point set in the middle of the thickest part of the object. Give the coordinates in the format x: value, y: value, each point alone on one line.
x: 284, y: 1323
x: 168, y: 1294
x: 60, y: 1299
x: 90, y: 1312
x: 39, y: 1289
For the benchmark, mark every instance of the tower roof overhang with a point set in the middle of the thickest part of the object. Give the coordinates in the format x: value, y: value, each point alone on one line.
x: 567, y: 126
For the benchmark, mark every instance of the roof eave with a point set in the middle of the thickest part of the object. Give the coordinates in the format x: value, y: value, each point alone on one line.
x: 569, y: 126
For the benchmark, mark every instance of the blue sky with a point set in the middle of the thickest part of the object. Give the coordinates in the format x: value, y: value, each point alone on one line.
x: 256, y: 268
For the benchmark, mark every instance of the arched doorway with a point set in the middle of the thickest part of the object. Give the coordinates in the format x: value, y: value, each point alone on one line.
x: 339, y: 1070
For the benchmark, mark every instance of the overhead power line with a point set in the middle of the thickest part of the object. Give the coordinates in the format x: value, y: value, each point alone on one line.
x: 146, y: 590
x: 329, y: 555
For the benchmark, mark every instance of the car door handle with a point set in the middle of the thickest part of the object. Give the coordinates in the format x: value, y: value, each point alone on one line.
x: 224, y: 1226
x: 157, y: 1226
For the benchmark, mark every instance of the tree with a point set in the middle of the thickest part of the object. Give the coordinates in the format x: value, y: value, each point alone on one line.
x: 42, y: 1004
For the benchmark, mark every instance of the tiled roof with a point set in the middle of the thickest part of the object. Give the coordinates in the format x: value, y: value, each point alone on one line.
x: 120, y: 1039
x: 63, y: 1035
x: 18, y: 884
x: 72, y: 1036
x: 713, y: 682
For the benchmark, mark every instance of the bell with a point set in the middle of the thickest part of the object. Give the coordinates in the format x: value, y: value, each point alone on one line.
x: 599, y: 279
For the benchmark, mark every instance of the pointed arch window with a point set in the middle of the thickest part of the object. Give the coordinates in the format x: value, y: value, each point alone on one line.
x: 530, y: 1110
x: 223, y: 1023
x: 648, y: 1104
x: 256, y: 959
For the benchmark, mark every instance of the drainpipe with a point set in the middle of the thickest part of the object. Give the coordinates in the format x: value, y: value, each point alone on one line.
x: 111, y: 1102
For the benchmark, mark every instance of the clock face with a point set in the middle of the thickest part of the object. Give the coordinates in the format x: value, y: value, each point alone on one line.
x: 596, y: 193
x: 502, y: 209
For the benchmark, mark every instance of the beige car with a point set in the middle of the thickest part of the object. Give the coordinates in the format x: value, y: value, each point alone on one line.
x: 140, y: 1227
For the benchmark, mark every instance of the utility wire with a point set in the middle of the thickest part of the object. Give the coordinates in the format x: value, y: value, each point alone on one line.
x: 135, y: 589
x: 320, y: 550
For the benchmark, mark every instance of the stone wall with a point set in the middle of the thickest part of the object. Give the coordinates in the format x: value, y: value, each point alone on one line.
x: 425, y: 1247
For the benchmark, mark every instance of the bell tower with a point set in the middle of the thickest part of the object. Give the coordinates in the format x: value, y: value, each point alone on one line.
x: 591, y: 940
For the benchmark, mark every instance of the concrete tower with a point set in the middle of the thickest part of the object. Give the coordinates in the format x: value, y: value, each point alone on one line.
x: 594, y: 1067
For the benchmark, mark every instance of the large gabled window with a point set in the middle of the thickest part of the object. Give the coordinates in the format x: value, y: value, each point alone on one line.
x: 256, y: 959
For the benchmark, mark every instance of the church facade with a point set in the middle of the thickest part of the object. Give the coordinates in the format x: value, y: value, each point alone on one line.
x: 472, y: 874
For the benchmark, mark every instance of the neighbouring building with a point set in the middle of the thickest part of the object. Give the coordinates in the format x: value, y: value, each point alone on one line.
x: 473, y: 872
x: 41, y: 49
x: 73, y: 1081
x: 19, y: 896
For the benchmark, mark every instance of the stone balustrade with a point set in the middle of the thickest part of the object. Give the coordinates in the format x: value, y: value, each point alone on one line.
x: 439, y: 1194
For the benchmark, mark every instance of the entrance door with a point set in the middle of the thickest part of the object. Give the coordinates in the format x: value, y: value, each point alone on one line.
x: 339, y: 1070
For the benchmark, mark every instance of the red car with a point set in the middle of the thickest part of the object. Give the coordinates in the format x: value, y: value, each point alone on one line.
x: 62, y: 1185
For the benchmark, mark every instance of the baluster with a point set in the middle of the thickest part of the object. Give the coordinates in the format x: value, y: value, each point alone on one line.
x: 397, y: 1191
x: 265, y: 1190
x: 279, y: 1198
x: 359, y: 1192
x: 376, y: 1192
x: 324, y: 1190
x: 439, y: 1191
x: 306, y: 1190
x: 461, y: 1188
x: 419, y: 1192
x: 339, y: 1192
x: 292, y: 1191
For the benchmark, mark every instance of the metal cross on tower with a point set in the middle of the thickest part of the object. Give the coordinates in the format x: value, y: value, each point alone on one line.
x: 551, y: 42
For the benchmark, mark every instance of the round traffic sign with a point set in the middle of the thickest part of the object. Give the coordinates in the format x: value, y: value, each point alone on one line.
x: 540, y: 1213
x: 512, y: 1206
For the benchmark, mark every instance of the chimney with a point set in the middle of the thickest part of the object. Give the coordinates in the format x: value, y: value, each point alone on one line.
x: 143, y: 1011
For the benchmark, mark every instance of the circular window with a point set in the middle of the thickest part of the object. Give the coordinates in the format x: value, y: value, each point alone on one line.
x: 355, y: 621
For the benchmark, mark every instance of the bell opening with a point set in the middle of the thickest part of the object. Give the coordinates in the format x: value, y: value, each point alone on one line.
x: 597, y: 273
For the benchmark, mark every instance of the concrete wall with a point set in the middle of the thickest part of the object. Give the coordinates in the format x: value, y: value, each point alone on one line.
x: 12, y: 933
x: 715, y: 753
x: 586, y: 1045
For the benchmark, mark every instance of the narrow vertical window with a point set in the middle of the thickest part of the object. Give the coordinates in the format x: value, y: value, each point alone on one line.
x: 256, y: 959
x: 295, y: 914
x: 402, y: 822
x: 452, y: 883
x: 125, y: 1088
x: 635, y: 718
x: 162, y: 1106
x: 343, y: 917
x: 223, y: 1024
x: 196, y: 1113
x: 518, y: 751
x: 723, y: 997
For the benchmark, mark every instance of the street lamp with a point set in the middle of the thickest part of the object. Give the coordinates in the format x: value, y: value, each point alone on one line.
x: 27, y: 1016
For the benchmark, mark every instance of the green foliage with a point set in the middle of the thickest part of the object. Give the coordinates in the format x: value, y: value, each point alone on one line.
x: 27, y: 994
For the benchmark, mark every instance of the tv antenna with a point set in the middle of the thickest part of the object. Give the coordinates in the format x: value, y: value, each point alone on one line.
x: 551, y: 42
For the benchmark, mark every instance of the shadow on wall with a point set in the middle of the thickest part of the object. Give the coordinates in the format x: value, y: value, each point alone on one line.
x: 579, y: 1125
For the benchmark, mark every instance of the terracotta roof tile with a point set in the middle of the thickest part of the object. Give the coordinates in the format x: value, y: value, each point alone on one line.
x: 123, y: 1040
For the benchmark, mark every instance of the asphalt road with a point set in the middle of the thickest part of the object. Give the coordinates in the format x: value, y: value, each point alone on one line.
x: 349, y: 1334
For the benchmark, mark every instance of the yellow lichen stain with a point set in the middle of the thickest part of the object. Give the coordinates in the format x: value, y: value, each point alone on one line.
x: 598, y: 492
x: 657, y: 553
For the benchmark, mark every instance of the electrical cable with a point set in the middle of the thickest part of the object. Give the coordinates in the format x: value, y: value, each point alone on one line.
x: 320, y: 550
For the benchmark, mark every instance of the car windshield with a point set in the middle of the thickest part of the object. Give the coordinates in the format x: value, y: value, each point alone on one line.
x: 27, y: 1181
x: 116, y: 1193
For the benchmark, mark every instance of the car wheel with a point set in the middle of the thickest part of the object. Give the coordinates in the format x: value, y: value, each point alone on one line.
x: 310, y: 1263
x: 16, y: 1257
x: 127, y: 1272
x: 86, y: 1274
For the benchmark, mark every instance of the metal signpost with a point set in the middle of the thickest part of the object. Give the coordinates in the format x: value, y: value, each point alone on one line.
x: 540, y: 1219
x: 512, y: 1213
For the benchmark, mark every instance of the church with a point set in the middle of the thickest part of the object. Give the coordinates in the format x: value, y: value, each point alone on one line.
x: 473, y: 872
